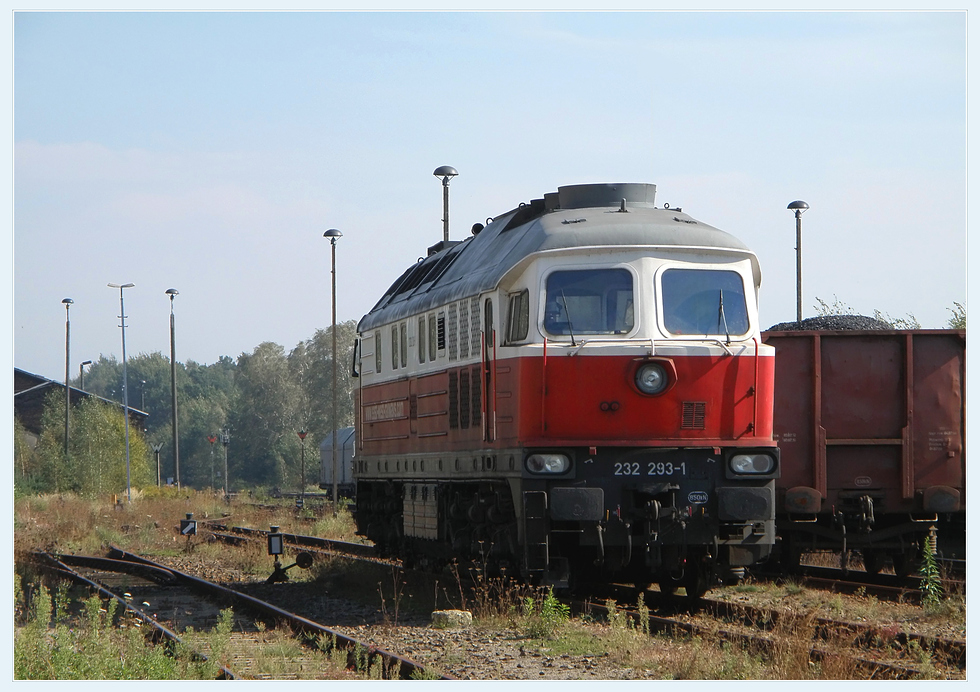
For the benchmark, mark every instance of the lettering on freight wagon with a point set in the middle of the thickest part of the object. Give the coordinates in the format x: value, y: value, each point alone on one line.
x: 940, y: 440
x: 386, y: 411
x: 785, y: 437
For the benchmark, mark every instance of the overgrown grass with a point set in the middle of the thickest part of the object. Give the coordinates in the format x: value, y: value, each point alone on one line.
x: 54, y: 646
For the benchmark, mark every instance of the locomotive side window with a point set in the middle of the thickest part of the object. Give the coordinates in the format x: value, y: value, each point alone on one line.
x: 394, y: 347
x: 377, y: 351
x: 422, y: 339
x: 518, y: 319
x: 433, y: 338
x: 704, y: 301
x: 589, y: 301
x: 403, y: 331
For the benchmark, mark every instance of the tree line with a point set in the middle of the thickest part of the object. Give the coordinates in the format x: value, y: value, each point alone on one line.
x: 263, y: 400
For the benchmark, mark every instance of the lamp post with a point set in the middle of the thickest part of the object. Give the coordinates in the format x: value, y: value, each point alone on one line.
x: 798, y: 207
x: 211, y: 440
x: 67, y: 303
x: 302, y: 467
x: 122, y: 325
x: 446, y: 173
x: 81, y: 374
x: 333, y: 234
x: 173, y: 387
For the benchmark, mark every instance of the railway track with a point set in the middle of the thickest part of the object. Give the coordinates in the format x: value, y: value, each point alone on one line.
x: 751, y: 627
x: 869, y: 650
x: 882, y: 586
x: 117, y: 580
x: 183, y: 601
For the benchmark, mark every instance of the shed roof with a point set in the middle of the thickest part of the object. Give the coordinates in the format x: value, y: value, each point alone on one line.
x: 31, y: 391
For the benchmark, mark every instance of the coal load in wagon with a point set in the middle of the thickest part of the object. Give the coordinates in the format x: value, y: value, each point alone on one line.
x: 832, y: 323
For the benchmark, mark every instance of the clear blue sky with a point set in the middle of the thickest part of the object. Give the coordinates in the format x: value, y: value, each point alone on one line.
x: 209, y: 152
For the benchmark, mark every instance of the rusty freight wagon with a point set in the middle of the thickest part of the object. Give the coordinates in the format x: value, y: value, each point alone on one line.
x: 872, y: 434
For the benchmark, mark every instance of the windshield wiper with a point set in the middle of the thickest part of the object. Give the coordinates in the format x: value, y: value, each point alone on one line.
x: 568, y: 317
x: 721, y: 316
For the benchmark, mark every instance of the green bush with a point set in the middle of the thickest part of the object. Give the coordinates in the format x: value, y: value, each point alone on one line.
x: 544, y: 619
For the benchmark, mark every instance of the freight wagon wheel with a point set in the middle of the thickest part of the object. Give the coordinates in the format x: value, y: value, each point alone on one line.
x: 874, y: 560
x: 905, y: 563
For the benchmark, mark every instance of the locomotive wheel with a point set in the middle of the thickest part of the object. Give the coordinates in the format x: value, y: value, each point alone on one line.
x: 694, y: 582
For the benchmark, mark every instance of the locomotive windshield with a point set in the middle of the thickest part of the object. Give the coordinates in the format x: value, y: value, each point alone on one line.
x: 704, y: 301
x: 589, y: 301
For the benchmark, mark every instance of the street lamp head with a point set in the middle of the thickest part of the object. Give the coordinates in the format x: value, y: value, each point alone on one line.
x: 799, y: 206
x: 86, y: 362
x: 122, y: 286
x: 445, y: 172
x: 68, y: 301
x: 333, y: 234
x: 172, y: 292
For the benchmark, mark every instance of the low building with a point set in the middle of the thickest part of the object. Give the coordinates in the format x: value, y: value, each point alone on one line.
x: 31, y: 391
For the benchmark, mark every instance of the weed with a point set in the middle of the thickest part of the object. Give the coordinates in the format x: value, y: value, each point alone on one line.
x: 931, y: 585
x: 90, y: 650
x: 792, y: 588
x: 542, y: 619
x: 747, y: 586
x: 643, y: 612
x: 923, y: 659
x: 617, y: 618
x: 397, y: 587
x: 424, y: 674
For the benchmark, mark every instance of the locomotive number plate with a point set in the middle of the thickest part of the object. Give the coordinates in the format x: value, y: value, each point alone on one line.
x: 650, y: 468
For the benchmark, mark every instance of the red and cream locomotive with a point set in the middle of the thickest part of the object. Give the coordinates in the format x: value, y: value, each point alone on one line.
x: 578, y: 392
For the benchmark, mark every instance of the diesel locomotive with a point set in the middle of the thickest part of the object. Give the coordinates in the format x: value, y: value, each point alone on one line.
x: 577, y: 392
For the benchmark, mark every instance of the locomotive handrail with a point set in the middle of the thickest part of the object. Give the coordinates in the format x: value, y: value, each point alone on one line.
x: 723, y: 345
x: 583, y: 344
x: 755, y: 389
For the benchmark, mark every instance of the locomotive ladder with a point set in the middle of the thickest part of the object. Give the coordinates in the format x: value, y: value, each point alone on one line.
x: 535, y: 532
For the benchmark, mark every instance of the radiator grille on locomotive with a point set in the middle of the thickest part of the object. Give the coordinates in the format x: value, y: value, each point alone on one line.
x: 453, y: 400
x: 464, y: 330
x: 692, y: 415
x: 453, y: 334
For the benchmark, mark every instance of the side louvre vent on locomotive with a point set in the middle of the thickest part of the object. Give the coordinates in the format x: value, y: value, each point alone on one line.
x: 692, y: 415
x: 453, y: 400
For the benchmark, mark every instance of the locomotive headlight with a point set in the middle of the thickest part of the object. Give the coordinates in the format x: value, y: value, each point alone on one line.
x: 752, y: 463
x: 651, y: 378
x: 547, y: 463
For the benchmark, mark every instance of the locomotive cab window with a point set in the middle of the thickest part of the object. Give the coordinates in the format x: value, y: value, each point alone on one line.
x: 518, y: 319
x: 704, y: 301
x: 589, y: 301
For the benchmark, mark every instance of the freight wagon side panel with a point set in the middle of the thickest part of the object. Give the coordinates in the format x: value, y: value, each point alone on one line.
x: 939, y: 364
x: 877, y: 413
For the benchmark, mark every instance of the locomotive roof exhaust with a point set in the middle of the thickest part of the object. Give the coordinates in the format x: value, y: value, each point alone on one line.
x: 607, y: 195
